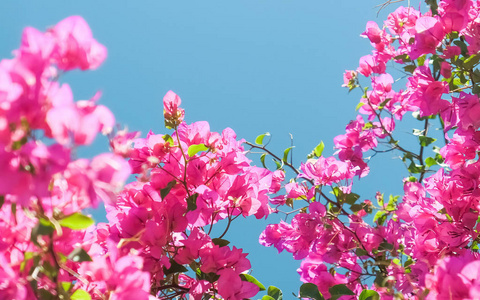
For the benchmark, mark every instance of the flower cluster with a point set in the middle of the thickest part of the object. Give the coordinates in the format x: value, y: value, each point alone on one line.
x: 45, y: 238
x: 413, y: 244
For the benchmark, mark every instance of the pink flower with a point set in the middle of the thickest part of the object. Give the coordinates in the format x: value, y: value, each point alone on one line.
x: 172, y: 112
x: 76, y: 46
x: 231, y: 287
x: 429, y: 34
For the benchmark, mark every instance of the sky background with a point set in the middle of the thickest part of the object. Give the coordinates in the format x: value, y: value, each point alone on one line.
x: 252, y: 65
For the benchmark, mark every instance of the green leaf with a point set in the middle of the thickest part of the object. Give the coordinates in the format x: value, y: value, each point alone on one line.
x: 476, y: 89
x: 471, y: 61
x: 250, y: 278
x: 174, y: 268
x: 2, y: 200
x: 310, y: 290
x: 267, y: 297
x: 279, y: 165
x: 433, y: 6
x: 168, y: 139
x: 194, y: 149
x: 164, y: 192
x: 414, y: 168
x: 369, y: 295
x: 42, y: 228
x: 80, y: 295
x: 426, y: 140
x: 262, y: 159
x: 421, y: 60
x: 46, y: 295
x: 351, y: 198
x: 319, y: 149
x: 192, y: 202
x: 360, y: 104
x: 79, y: 255
x: 462, y: 46
x: 285, y: 154
x: 385, y: 246
x: 379, y: 217
x: 339, y: 290
x: 412, y: 179
x: 409, y: 68
x: 76, y: 221
x: 26, y: 257
x: 220, y: 242
x: 404, y: 57
x: 66, y: 285
x: 380, y: 279
x: 361, y: 252
x: 275, y: 292
x: 430, y: 161
x: 259, y: 139
x: 356, y: 207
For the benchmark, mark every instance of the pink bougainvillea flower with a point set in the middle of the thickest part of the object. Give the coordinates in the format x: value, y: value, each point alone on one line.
x: 76, y: 46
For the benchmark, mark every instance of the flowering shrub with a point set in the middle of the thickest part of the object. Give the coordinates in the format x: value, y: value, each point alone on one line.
x: 159, y: 242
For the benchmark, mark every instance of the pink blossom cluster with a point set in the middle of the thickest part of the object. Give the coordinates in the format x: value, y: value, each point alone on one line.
x: 412, y: 245
x: 45, y: 238
x: 189, y: 181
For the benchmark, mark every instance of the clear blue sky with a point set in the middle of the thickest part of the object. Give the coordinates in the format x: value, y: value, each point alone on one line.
x: 252, y: 65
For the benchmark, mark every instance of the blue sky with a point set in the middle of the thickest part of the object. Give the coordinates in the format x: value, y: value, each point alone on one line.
x: 252, y: 65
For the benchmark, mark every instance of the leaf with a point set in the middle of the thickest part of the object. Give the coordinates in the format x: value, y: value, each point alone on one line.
x: 79, y: 255
x: 262, y: 159
x: 339, y: 290
x: 174, y: 268
x: 250, y: 278
x: 279, y: 165
x: 168, y: 139
x: 421, y: 60
x: 164, y: 192
x: 267, y: 297
x: 369, y: 295
x: 462, y: 46
x: 76, y: 221
x: 310, y: 290
x: 380, y: 217
x: 192, y: 202
x: 361, y: 252
x: 379, y: 279
x: 46, y: 295
x: 285, y: 154
x: 275, y: 293
x: 80, y: 295
x: 471, y: 61
x: 409, y: 68
x: 220, y: 242
x: 26, y: 257
x: 426, y: 140
x: 259, y: 139
x: 351, y: 198
x: 414, y: 168
x: 2, y: 200
x: 356, y: 207
x: 319, y: 149
x: 42, y: 228
x: 360, y: 104
x: 430, y: 161
x: 67, y: 285
x: 194, y: 149
x: 404, y: 57
x: 433, y: 6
